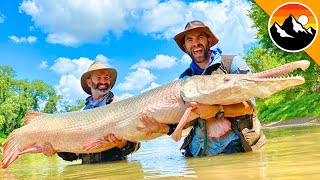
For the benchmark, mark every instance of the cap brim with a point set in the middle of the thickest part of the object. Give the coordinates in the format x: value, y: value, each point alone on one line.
x: 179, y: 38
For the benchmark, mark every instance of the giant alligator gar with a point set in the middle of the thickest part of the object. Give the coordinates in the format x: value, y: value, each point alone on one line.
x: 83, y: 131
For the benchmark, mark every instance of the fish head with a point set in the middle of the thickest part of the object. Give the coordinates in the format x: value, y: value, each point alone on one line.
x: 234, y: 88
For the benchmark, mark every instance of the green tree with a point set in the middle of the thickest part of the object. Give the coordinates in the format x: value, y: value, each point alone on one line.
x: 19, y: 96
x: 265, y: 56
x: 80, y: 103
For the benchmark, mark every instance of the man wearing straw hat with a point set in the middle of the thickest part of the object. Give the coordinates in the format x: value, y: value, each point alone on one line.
x: 97, y: 82
x: 240, y: 133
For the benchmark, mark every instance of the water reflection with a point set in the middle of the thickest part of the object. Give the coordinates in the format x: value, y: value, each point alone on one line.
x: 291, y: 153
x: 162, y: 158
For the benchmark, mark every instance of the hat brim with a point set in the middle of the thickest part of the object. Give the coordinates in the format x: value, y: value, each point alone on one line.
x: 179, y: 38
x: 85, y: 76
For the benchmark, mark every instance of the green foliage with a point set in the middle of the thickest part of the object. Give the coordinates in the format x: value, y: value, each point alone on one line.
x: 300, y: 101
x: 295, y: 107
x: 19, y: 96
x: 79, y: 105
x: 3, y: 137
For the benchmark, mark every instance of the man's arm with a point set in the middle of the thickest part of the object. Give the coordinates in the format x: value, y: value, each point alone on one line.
x: 207, y: 111
x: 204, y: 111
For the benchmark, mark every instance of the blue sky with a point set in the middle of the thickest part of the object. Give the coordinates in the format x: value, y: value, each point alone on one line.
x: 56, y: 41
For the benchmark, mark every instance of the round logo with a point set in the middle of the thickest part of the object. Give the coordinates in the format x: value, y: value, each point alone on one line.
x: 293, y: 27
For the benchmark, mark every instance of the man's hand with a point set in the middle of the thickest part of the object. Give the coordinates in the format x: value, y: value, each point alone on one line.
x: 48, y: 149
x: 120, y: 143
x: 152, y: 126
x: 203, y: 110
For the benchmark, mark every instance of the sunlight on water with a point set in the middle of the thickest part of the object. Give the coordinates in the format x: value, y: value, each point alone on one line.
x: 291, y: 153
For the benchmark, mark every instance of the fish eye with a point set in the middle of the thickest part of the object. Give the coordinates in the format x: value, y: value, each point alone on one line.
x: 226, y: 79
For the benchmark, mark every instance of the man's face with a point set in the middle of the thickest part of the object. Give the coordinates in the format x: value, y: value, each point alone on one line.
x: 100, y: 82
x: 197, y: 45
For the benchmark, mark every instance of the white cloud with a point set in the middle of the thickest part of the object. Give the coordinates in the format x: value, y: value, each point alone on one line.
x: 185, y: 59
x: 152, y: 86
x: 43, y: 65
x: 101, y: 58
x: 29, y: 39
x: 227, y: 19
x: 70, y: 88
x: 160, y: 62
x: 76, y: 22
x: 124, y: 96
x: 77, y: 67
x: 163, y: 20
x: 63, y: 38
x: 137, y: 80
x: 71, y: 71
x: 65, y: 65
x: 2, y: 17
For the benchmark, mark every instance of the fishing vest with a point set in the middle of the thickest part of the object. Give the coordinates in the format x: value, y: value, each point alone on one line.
x: 247, y: 127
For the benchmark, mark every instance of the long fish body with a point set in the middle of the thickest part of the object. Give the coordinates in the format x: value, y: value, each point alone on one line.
x: 75, y: 131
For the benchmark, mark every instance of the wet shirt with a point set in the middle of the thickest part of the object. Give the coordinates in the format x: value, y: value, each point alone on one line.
x: 90, y: 103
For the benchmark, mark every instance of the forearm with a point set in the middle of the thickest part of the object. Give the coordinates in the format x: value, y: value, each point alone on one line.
x: 239, y: 109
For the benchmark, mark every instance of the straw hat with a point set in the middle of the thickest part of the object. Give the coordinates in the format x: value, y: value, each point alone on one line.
x: 93, y: 67
x: 192, y: 25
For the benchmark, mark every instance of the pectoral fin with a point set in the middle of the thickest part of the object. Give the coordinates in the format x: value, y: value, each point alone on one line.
x: 98, y: 145
x: 217, y: 127
x: 12, y: 151
x: 176, y: 135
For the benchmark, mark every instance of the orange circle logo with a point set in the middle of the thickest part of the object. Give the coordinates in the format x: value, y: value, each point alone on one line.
x: 293, y: 27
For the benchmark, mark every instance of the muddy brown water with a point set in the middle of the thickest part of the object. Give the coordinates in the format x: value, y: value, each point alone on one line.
x: 291, y: 153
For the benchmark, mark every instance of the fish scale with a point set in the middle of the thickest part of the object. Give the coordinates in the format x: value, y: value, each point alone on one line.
x: 72, y: 131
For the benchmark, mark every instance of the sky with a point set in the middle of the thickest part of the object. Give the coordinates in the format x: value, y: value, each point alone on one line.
x: 56, y: 40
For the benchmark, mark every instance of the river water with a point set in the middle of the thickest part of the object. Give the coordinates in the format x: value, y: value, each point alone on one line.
x: 290, y: 153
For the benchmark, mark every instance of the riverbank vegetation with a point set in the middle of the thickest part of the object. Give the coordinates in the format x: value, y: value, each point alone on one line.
x: 297, y: 102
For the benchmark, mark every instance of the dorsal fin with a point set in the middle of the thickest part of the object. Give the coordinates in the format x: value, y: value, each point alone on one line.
x: 30, y: 116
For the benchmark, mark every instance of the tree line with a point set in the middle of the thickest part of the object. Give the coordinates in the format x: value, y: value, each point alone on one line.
x: 17, y: 97
x: 300, y: 101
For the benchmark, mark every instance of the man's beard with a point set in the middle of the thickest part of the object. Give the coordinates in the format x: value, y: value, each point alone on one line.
x: 102, y: 92
x: 205, y: 55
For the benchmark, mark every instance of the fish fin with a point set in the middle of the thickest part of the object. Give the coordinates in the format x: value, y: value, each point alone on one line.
x: 31, y: 116
x: 34, y: 148
x: 98, y: 145
x: 10, y: 151
x: 176, y: 135
x: 217, y: 127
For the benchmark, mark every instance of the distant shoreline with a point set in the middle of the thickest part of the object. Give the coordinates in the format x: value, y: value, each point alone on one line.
x: 293, y: 123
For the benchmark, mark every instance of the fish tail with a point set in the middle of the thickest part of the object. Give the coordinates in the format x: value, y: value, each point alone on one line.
x: 10, y: 151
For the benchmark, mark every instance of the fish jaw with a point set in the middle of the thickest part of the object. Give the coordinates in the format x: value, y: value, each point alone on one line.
x: 283, y: 69
x: 227, y: 89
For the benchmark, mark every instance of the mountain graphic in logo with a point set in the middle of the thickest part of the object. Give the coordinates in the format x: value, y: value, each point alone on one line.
x: 289, y: 33
x: 292, y: 35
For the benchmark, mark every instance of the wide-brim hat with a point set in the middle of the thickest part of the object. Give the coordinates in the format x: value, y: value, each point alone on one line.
x: 94, y: 67
x: 192, y: 25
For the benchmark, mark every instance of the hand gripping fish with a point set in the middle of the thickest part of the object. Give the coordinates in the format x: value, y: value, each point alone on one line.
x: 84, y: 131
